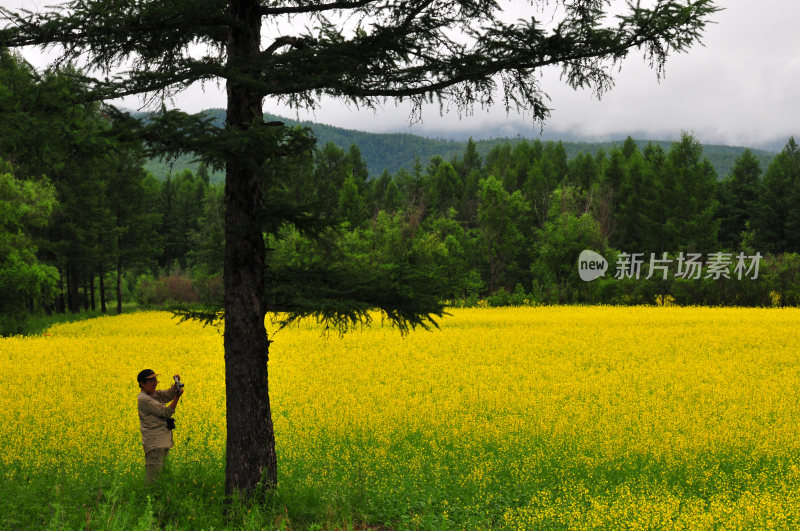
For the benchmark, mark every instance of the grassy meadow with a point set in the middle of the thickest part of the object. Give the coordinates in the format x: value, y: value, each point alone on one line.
x: 517, y: 418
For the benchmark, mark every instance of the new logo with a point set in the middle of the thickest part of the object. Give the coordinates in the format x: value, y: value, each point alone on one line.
x: 591, y: 265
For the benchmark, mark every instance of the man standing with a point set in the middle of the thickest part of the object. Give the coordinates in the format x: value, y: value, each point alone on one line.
x: 155, y: 420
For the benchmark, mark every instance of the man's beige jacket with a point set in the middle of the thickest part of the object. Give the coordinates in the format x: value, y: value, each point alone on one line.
x: 153, y: 415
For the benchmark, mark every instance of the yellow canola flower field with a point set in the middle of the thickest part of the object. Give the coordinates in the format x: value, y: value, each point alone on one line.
x: 579, y: 417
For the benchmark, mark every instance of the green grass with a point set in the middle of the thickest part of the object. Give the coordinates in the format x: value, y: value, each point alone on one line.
x: 181, y: 499
x: 192, y: 497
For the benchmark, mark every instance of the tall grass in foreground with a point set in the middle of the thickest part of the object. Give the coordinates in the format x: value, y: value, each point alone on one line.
x: 553, y: 417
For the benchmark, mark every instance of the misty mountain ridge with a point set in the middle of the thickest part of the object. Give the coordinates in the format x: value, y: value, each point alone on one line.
x: 392, y: 151
x: 514, y: 129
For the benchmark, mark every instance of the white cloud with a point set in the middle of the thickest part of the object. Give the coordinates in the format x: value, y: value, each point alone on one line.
x: 740, y: 88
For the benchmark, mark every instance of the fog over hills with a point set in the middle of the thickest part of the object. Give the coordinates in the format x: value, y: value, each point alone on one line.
x: 517, y: 129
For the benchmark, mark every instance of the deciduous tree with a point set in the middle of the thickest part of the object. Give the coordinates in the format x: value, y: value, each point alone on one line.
x: 25, y: 284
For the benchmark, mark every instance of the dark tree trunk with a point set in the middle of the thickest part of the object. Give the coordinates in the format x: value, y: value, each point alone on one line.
x: 91, y: 292
x: 250, y: 456
x: 61, y: 308
x: 72, y: 289
x: 119, y: 286
x: 102, y: 282
x: 67, y: 291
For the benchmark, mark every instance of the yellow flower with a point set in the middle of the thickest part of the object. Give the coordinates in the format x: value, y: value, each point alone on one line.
x: 528, y: 417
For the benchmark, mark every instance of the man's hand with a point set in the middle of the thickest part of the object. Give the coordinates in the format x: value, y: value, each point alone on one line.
x: 175, y: 384
x: 175, y: 400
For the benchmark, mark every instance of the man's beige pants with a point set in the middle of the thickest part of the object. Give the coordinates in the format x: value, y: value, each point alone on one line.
x: 154, y: 462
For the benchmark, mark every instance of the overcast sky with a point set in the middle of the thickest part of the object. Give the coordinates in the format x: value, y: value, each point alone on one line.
x: 740, y: 88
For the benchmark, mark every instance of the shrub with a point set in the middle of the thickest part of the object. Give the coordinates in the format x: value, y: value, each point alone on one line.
x: 498, y: 298
x: 519, y: 297
x: 175, y: 289
x: 210, y: 289
x: 13, y: 323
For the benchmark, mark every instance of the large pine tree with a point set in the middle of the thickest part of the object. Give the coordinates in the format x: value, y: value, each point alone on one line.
x: 296, y: 51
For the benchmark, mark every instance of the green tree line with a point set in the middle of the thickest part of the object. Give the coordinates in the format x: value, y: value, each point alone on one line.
x: 84, y: 226
x: 510, y: 226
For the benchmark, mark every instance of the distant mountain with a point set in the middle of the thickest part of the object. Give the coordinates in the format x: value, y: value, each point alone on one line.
x: 392, y: 151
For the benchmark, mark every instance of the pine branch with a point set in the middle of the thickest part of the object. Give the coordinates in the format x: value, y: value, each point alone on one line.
x: 408, y: 54
x: 267, y: 11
